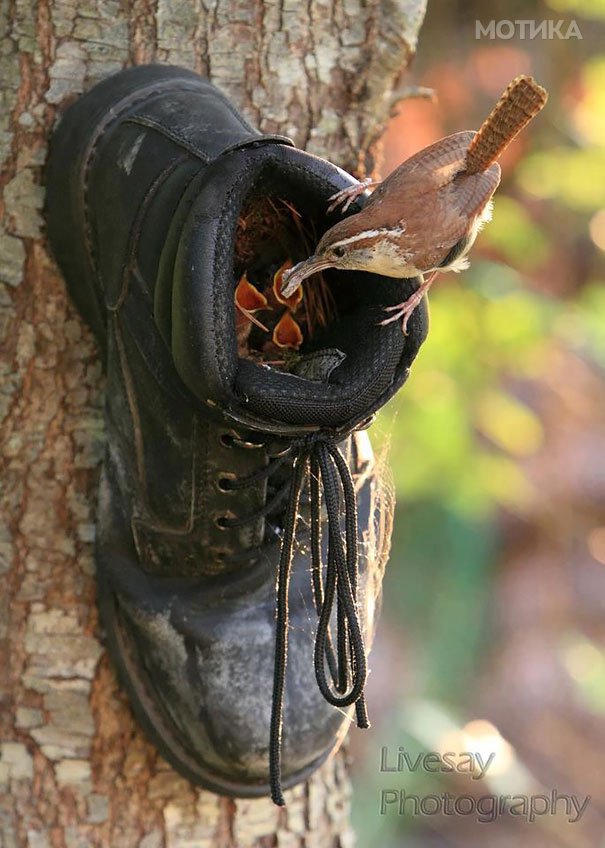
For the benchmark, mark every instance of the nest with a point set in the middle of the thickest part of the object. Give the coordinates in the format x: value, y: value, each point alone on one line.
x: 271, y: 236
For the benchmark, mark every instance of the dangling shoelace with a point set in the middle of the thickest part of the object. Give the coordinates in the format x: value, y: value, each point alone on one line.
x: 318, y: 459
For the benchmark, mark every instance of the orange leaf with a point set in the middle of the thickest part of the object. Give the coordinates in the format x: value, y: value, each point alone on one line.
x: 287, y: 333
x: 295, y: 298
x: 248, y: 297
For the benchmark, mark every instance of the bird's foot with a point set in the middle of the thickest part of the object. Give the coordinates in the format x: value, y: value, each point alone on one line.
x: 401, y: 310
x: 346, y: 196
x: 406, y: 308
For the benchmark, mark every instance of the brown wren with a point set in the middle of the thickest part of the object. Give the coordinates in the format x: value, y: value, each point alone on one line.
x: 424, y: 217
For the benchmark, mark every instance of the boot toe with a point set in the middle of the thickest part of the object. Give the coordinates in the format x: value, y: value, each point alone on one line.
x: 205, y: 697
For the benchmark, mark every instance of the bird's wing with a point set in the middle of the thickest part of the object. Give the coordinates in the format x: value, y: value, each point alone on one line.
x: 472, y: 191
x: 423, y: 204
x: 423, y: 173
x: 433, y: 226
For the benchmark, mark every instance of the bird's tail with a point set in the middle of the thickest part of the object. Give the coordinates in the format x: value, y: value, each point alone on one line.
x: 521, y: 102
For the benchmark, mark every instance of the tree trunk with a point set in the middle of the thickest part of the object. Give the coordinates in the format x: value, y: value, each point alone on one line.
x: 75, y: 770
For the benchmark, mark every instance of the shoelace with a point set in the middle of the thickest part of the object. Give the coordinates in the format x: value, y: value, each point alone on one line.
x: 318, y: 460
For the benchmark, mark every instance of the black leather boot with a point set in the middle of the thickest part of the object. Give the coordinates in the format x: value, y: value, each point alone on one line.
x: 203, y: 506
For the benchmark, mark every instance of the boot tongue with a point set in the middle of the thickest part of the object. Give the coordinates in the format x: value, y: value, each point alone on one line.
x: 319, y: 365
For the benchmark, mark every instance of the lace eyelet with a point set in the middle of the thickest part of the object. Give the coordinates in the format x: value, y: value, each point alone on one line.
x: 232, y: 440
x: 222, y: 520
x: 219, y: 555
x: 247, y: 444
x: 224, y: 483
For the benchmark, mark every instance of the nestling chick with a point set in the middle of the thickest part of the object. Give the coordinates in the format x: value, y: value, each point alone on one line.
x: 424, y: 217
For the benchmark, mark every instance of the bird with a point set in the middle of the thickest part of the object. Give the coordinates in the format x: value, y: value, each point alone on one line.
x: 424, y: 217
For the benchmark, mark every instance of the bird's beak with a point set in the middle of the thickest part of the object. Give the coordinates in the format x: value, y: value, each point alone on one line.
x: 292, y: 279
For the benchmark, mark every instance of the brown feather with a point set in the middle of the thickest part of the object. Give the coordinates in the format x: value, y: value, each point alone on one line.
x: 520, y: 102
x: 432, y: 202
x: 424, y: 172
x: 428, y: 193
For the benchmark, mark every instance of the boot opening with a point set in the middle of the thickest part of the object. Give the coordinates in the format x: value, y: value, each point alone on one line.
x: 256, y: 209
x: 273, y: 234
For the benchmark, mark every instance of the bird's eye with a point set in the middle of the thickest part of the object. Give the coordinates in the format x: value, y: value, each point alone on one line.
x: 339, y: 251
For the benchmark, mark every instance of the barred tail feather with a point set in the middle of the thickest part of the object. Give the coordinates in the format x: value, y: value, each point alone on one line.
x: 521, y: 102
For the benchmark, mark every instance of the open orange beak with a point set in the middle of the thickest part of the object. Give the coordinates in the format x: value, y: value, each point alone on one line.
x: 248, y: 297
x: 287, y: 333
x: 248, y: 300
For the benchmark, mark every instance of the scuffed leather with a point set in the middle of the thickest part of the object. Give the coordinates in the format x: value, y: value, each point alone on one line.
x: 158, y: 192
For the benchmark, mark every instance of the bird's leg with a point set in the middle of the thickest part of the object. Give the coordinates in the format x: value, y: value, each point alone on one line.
x: 404, y: 310
x: 346, y: 196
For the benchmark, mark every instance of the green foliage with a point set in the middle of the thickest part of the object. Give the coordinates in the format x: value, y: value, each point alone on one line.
x: 583, y: 326
x: 586, y: 8
x: 469, y: 422
x: 585, y: 663
x: 589, y: 115
x: 576, y: 177
x: 460, y: 426
x: 514, y: 235
x: 440, y: 575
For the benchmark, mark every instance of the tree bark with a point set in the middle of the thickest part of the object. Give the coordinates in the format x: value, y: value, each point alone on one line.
x: 75, y: 769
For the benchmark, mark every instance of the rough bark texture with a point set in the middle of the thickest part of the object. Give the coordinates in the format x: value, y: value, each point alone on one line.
x: 74, y: 768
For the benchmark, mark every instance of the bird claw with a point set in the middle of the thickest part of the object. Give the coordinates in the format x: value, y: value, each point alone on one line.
x: 346, y: 196
x: 402, y: 310
x: 406, y: 308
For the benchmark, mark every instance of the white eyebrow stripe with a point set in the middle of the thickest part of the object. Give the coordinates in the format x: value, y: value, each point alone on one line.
x: 395, y: 231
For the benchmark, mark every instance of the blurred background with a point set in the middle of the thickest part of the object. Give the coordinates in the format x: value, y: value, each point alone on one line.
x: 492, y: 637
